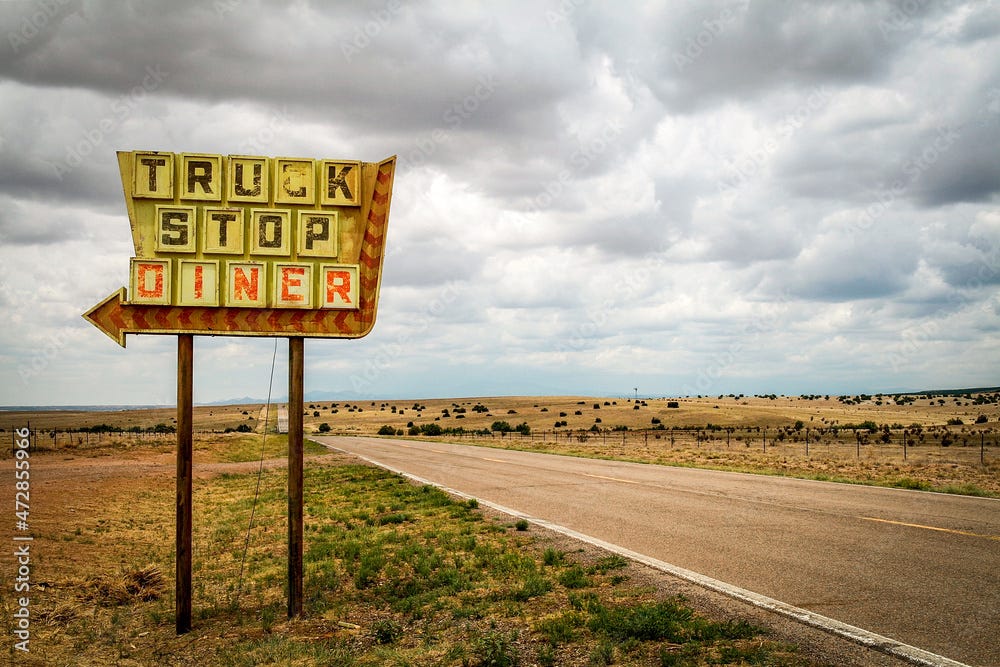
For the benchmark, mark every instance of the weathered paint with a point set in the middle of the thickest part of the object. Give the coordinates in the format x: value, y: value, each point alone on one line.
x: 245, y: 245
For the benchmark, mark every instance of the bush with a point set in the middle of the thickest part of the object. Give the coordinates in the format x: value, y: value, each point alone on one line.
x: 430, y: 429
x: 981, y: 419
x: 673, y: 404
x: 523, y: 428
x: 245, y: 428
x: 386, y: 631
x: 323, y: 428
x: 501, y: 426
x: 387, y: 430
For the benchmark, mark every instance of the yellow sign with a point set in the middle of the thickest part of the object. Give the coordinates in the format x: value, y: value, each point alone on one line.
x: 250, y: 246
x: 243, y: 231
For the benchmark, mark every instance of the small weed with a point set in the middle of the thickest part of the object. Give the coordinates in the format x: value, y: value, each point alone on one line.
x: 386, y: 631
x: 553, y: 557
x: 560, y: 629
x: 910, y: 483
x: 534, y: 585
x: 574, y: 577
x: 610, y: 562
x: 521, y: 525
x: 267, y: 617
x: 603, y: 654
x: 494, y: 649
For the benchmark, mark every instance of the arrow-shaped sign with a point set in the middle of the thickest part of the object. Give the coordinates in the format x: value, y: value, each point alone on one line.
x: 116, y: 318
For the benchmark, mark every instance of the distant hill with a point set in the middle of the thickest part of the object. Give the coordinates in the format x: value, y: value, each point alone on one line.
x: 949, y: 392
x: 309, y: 396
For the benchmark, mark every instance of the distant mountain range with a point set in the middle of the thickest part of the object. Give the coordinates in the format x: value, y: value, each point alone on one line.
x: 321, y: 396
x: 309, y: 396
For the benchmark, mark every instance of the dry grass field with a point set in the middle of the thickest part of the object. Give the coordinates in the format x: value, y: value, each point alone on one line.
x: 811, y: 437
x: 398, y: 574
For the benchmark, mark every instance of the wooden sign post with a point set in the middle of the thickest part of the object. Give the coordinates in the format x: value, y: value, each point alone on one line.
x: 248, y: 246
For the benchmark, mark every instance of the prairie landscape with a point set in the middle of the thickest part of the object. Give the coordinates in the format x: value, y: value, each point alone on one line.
x: 936, y: 441
x: 401, y: 574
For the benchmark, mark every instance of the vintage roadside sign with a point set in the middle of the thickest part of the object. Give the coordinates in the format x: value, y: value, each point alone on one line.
x: 250, y: 246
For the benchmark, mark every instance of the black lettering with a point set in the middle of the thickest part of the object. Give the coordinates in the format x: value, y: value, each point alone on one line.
x: 152, y: 163
x: 317, y: 229
x: 168, y: 227
x: 335, y: 182
x: 290, y: 173
x: 224, y: 219
x: 262, y: 224
x: 242, y: 191
x: 204, y: 178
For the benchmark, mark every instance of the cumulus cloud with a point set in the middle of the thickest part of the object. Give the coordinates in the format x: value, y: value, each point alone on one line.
x: 711, y: 196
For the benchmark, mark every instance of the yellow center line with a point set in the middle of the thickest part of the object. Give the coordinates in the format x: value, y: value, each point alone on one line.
x: 941, y: 530
x: 613, y: 479
x: 486, y: 458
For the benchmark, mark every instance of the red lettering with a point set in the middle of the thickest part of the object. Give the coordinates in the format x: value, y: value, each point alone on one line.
x: 143, y: 282
x: 338, y: 283
x: 288, y: 281
x: 198, y: 280
x: 244, y: 286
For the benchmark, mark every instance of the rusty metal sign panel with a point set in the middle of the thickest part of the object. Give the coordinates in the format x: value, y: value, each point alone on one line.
x: 250, y: 246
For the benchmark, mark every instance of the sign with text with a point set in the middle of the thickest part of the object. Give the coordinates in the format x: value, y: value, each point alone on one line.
x: 249, y: 245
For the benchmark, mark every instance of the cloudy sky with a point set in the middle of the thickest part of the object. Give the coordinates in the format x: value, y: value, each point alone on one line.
x: 680, y: 197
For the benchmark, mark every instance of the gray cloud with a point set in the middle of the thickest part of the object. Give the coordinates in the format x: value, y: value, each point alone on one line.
x: 583, y: 194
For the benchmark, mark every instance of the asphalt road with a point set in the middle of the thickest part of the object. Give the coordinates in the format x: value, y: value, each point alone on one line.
x: 921, y: 568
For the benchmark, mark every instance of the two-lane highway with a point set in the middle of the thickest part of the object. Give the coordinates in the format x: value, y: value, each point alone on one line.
x: 920, y: 568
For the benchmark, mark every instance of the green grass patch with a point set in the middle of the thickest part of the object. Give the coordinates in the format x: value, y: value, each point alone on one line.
x: 395, y: 574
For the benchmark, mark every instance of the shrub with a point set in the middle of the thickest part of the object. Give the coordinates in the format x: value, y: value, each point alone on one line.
x: 431, y: 429
x: 323, y: 428
x: 501, y: 426
x: 387, y: 430
x: 981, y: 419
x: 386, y: 631
x: 673, y: 404
x: 245, y: 428
x: 574, y: 577
x: 493, y: 649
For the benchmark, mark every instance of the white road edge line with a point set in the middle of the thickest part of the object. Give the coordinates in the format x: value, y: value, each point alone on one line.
x: 911, y: 654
